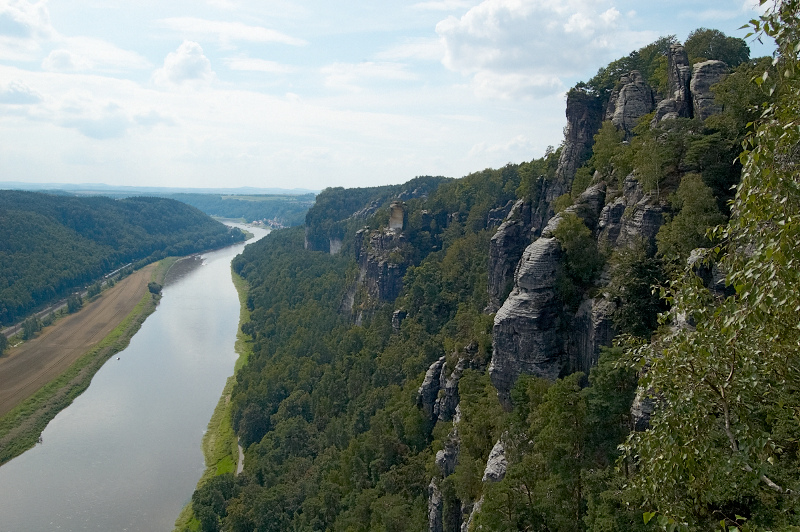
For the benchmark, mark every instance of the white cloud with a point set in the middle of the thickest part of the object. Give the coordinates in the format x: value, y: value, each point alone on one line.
x: 223, y: 4
x: 352, y: 75
x: 526, y: 47
x: 97, y: 122
x: 227, y: 32
x: 515, y: 85
x: 17, y: 93
x: 23, y: 25
x: 65, y: 61
x: 515, y: 145
x: 24, y: 20
x: 186, y: 64
x: 257, y: 65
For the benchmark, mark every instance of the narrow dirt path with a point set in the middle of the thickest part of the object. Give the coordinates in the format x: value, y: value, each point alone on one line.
x: 25, y: 369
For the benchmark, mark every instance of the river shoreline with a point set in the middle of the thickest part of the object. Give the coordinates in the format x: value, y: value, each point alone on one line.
x: 220, y: 444
x: 21, y: 427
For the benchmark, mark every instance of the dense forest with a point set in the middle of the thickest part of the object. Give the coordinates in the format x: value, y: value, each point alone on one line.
x: 52, y: 245
x: 601, y: 339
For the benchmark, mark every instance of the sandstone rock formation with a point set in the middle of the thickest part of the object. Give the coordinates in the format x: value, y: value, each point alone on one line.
x: 631, y: 101
x: 525, y: 334
x: 398, y: 217
x: 679, y: 72
x: 584, y: 117
x: 496, y: 465
x: 505, y: 250
x: 704, y: 76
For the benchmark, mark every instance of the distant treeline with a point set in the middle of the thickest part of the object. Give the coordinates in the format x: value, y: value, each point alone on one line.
x: 52, y: 245
x: 287, y: 210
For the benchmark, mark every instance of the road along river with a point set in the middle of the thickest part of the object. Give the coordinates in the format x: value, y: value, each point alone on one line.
x: 126, y: 455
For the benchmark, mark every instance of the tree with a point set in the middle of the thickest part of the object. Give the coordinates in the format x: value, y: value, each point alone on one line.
x: 74, y: 303
x: 3, y: 343
x: 635, y: 277
x: 697, y: 212
x: 703, y: 44
x: 30, y: 327
x: 722, y: 445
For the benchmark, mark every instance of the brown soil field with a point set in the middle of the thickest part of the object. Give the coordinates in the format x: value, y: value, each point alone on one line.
x: 28, y: 367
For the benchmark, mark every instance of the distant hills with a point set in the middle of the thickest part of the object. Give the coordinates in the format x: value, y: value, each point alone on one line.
x: 127, y: 191
x: 51, y: 245
x: 276, y: 207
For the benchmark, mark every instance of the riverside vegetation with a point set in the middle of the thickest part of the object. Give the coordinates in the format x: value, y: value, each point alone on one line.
x: 416, y: 367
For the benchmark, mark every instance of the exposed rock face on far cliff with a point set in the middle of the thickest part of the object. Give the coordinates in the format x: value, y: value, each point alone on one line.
x: 678, y: 103
x: 584, y: 117
x: 704, y: 76
x: 526, y: 336
x: 505, y: 250
x: 633, y: 100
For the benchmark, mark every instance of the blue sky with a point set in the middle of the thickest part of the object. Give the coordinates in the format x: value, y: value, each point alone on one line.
x: 307, y: 93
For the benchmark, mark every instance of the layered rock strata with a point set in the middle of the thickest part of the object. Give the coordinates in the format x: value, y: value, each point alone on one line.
x: 704, y: 76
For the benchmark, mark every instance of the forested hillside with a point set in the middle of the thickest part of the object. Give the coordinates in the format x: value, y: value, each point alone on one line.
x: 282, y: 209
x: 51, y: 245
x: 554, y: 345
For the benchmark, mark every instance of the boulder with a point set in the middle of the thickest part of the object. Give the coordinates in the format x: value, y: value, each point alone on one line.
x: 496, y: 465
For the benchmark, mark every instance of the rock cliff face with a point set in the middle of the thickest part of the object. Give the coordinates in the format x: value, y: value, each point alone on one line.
x: 631, y: 101
x: 525, y: 334
x: 530, y: 329
x: 584, y: 117
x: 505, y: 250
x: 678, y: 103
x: 704, y: 76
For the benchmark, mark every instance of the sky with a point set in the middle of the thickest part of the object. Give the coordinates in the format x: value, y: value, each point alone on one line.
x: 306, y: 93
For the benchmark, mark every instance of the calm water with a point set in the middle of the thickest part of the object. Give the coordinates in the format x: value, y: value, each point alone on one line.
x: 126, y: 454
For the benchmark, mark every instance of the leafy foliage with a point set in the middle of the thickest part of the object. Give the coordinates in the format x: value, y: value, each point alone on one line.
x: 722, y: 447
x: 703, y: 44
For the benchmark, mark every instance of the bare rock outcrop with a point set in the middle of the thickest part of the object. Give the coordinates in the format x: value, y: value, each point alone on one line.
x: 704, y: 76
x: 496, y: 464
x: 381, y: 276
x: 679, y: 73
x: 435, y: 507
x: 525, y: 337
x: 591, y: 329
x: 631, y: 101
x: 584, y: 117
x: 630, y: 217
x: 505, y: 250
x: 428, y: 391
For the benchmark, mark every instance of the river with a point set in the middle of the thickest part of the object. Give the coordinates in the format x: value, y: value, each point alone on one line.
x: 126, y: 455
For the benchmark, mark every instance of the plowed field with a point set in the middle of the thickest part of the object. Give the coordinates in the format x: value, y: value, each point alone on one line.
x: 28, y: 367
